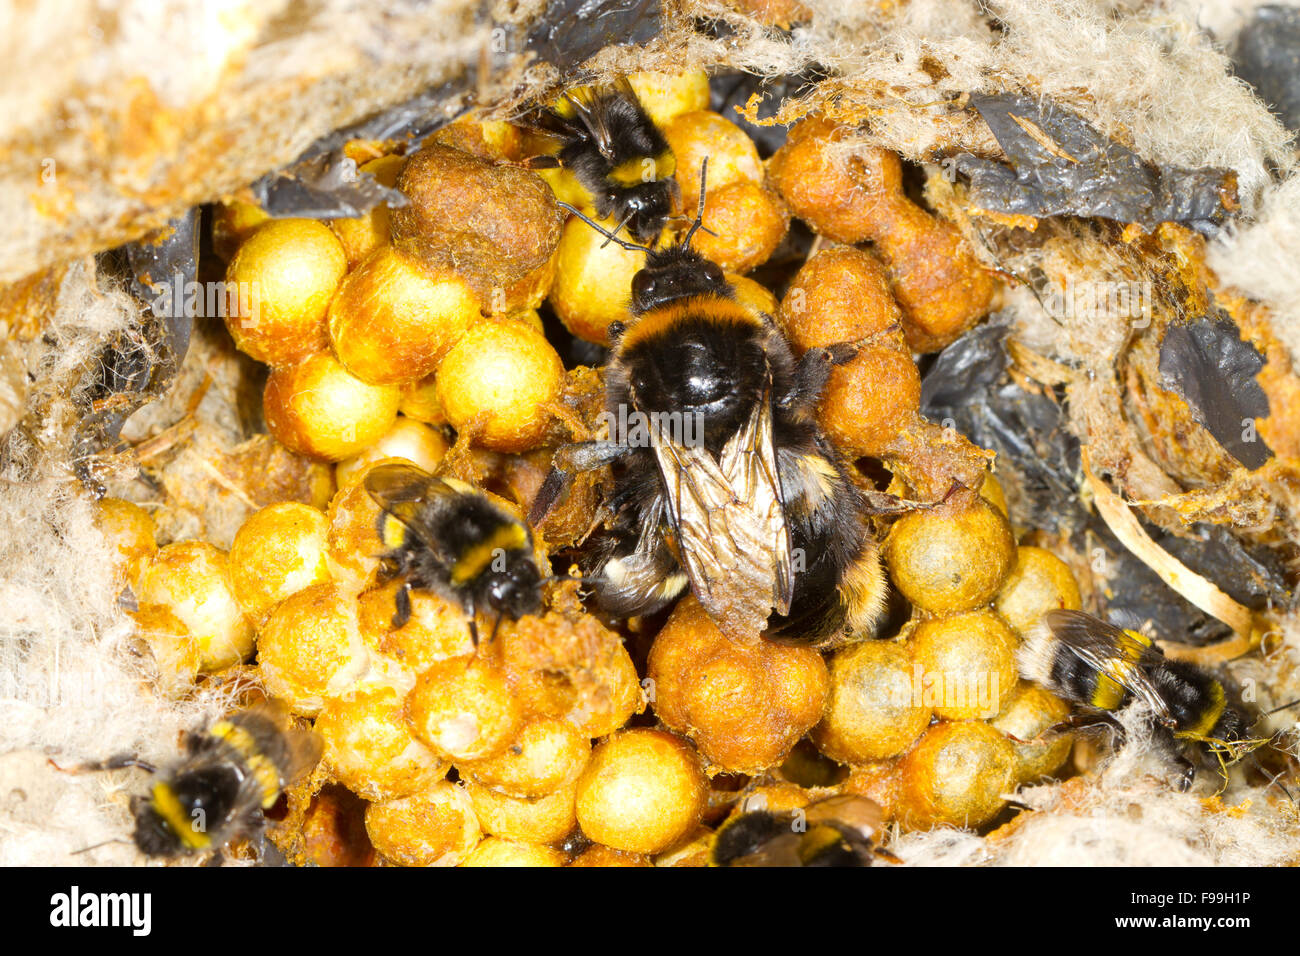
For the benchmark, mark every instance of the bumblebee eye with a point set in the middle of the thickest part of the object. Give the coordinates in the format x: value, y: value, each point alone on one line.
x: 714, y: 273
x: 499, y: 588
x: 643, y: 285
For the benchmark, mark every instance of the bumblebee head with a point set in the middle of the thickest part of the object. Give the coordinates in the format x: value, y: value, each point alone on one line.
x: 153, y: 835
x: 514, y: 591
x: 646, y: 208
x: 180, y: 815
x: 677, y: 272
x: 1232, y: 725
x: 670, y: 274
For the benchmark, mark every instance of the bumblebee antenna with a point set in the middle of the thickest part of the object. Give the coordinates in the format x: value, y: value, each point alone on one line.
x: 96, y: 846
x: 119, y: 762
x: 473, y: 619
x: 626, y: 220
x: 699, y: 212
x: 1274, y: 782
x: 609, y: 236
x: 1270, y: 713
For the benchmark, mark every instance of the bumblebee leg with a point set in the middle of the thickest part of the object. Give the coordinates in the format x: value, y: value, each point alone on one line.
x: 1187, y: 773
x: 473, y: 620
x: 540, y: 162
x: 812, y: 373
x: 579, y: 456
x: 590, y: 455
x: 117, y: 762
x: 403, y: 601
x: 554, y: 489
x: 1087, y: 722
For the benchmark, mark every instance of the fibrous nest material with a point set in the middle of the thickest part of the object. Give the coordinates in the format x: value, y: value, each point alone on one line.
x: 109, y: 145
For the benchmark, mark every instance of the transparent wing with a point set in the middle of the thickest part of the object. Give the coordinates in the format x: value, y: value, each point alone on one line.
x: 588, y: 105
x: 780, y: 851
x: 729, y: 519
x: 294, y: 750
x: 403, y: 492
x: 859, y: 814
x: 1113, y: 652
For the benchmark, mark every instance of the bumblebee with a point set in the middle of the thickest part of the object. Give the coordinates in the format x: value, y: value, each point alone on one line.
x: 1105, y: 668
x: 229, y: 774
x: 836, y: 831
x: 616, y: 152
x: 731, y: 490
x: 446, y: 536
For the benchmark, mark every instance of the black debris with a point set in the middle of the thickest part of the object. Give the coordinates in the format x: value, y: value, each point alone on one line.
x: 571, y: 32
x: 1060, y: 165
x: 1267, y: 56
x: 325, y: 186
x: 967, y: 388
x: 1206, y: 362
x: 139, y: 363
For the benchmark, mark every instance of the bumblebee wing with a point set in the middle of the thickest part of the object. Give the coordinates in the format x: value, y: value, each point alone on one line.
x: 303, y: 750
x: 588, y: 106
x: 396, y: 484
x: 859, y: 814
x: 404, y: 492
x: 1112, y: 652
x: 782, y: 851
x: 749, y: 463
x: 730, y: 523
x: 293, y: 750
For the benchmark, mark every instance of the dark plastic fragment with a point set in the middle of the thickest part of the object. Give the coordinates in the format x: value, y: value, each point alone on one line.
x: 137, y: 364
x: 571, y: 32
x: 1267, y: 56
x: 413, y: 119
x: 168, y: 264
x: 1207, y: 363
x: 967, y: 387
x: 1061, y: 165
x: 327, y: 186
x: 323, y: 183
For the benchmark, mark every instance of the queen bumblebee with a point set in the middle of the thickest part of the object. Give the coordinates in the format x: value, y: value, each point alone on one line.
x: 446, y: 536
x: 616, y: 152
x: 836, y: 831
x: 729, y: 487
x: 1105, y: 669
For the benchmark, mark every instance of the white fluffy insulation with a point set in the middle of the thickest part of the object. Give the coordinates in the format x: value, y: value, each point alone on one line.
x: 71, y: 687
x: 1128, y: 814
